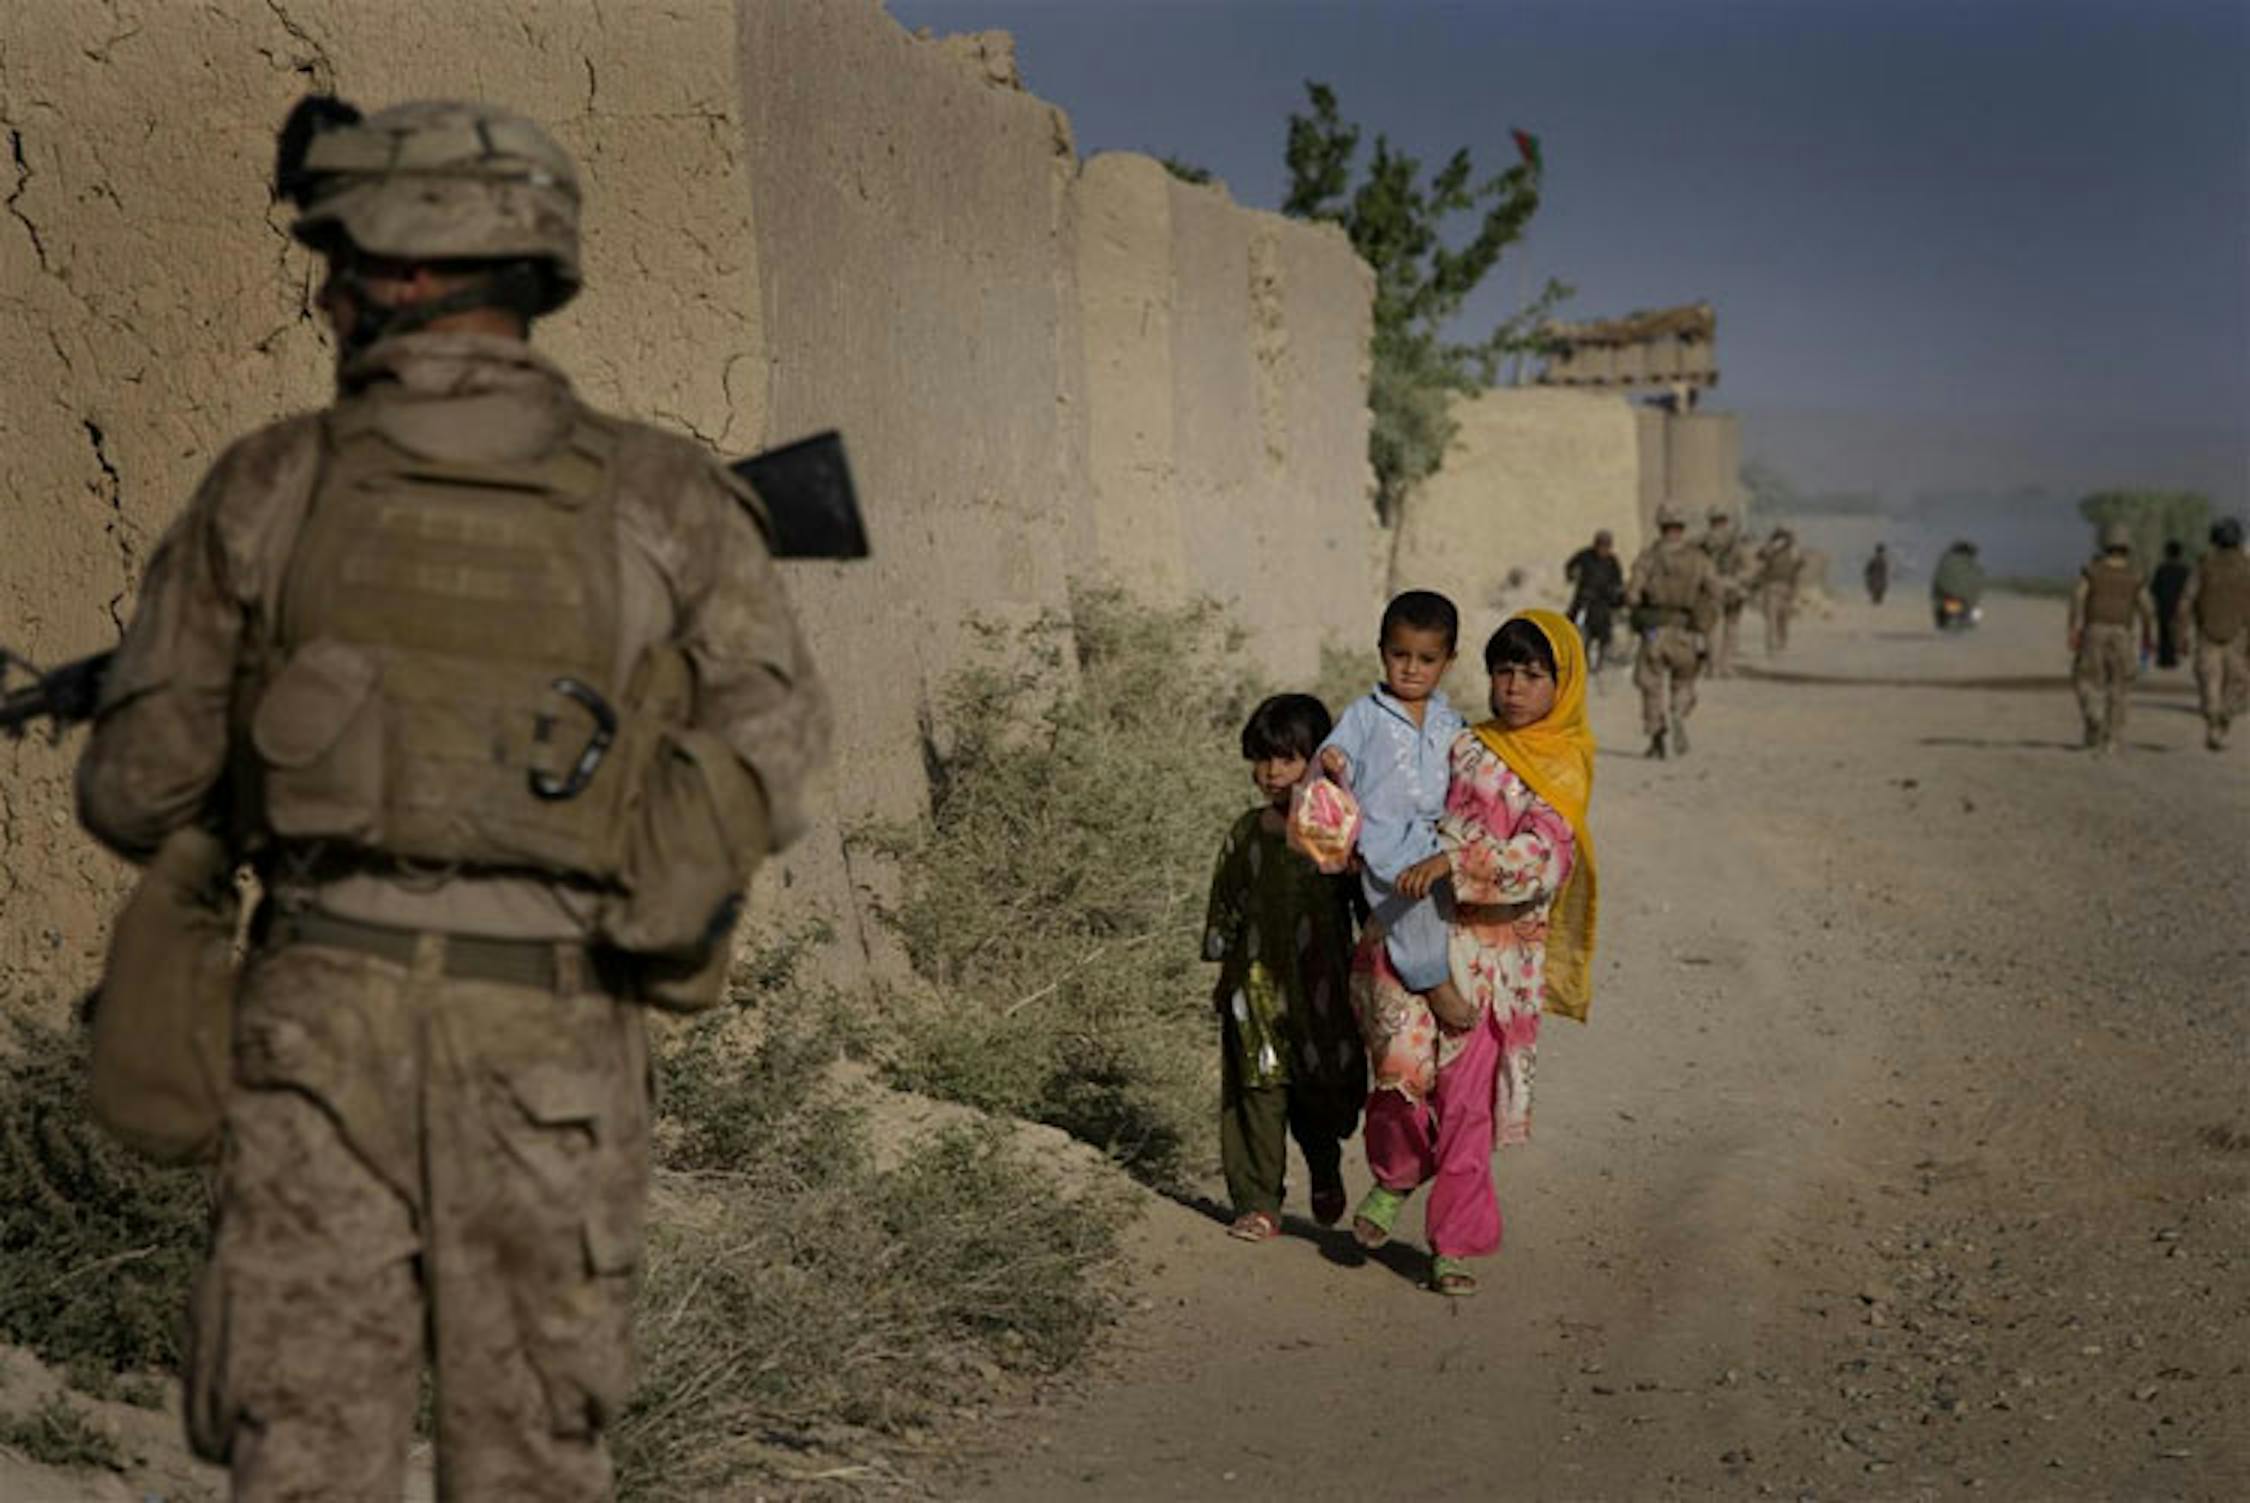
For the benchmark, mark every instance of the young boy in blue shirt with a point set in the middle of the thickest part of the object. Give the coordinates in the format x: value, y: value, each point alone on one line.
x: 1392, y: 748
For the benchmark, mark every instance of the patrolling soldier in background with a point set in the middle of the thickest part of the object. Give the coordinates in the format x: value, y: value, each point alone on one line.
x: 2214, y: 616
x: 501, y: 697
x: 2112, y: 621
x: 1780, y: 566
x: 1597, y: 588
x: 2166, y: 587
x: 1723, y: 543
x: 1878, y: 574
x: 1674, y: 598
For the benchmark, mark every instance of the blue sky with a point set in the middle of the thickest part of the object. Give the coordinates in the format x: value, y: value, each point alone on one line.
x: 2028, y: 218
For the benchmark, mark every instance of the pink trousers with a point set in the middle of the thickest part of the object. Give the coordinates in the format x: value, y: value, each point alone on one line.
x: 1446, y: 1142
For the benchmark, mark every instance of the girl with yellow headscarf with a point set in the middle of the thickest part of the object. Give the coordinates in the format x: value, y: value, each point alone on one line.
x: 1522, y: 868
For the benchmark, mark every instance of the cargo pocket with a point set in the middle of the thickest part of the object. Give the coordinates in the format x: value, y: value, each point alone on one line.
x: 318, y: 730
x: 581, y: 1346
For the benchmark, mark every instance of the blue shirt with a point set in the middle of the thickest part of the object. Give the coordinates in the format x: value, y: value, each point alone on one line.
x: 1399, y: 774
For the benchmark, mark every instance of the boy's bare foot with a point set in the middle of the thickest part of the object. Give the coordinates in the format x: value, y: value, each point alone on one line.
x: 1452, y: 1009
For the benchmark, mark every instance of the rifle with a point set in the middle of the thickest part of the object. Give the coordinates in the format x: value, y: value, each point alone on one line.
x: 811, y: 506
x: 61, y: 696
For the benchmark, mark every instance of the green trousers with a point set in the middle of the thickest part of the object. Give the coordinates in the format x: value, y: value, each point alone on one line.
x: 1255, y: 1125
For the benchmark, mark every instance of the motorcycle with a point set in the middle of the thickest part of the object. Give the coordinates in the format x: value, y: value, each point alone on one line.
x: 1955, y: 614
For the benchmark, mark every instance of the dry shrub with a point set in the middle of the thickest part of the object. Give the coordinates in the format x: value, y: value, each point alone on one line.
x: 796, y: 1294
x: 1053, y: 900
x: 96, y: 1246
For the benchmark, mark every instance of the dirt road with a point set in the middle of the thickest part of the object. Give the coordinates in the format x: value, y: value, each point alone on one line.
x: 1907, y: 1154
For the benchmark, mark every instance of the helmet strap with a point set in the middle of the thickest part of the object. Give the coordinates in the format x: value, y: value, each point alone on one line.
x: 519, y: 287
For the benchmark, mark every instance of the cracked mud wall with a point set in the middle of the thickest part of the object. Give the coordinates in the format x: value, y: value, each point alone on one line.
x: 151, y: 306
x: 1226, y: 368
x: 916, y: 244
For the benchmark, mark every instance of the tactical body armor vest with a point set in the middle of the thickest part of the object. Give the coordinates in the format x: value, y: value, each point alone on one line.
x: 444, y: 677
x: 2111, y: 590
x: 2222, y: 595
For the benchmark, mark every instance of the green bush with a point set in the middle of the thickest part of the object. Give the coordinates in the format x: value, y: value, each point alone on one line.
x: 96, y: 1246
x: 1054, y: 898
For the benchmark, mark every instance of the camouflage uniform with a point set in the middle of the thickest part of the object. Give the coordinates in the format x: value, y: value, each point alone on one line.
x: 2215, y: 614
x: 438, y: 1126
x: 1779, y: 567
x: 1675, y: 600
x: 2111, y: 615
x: 1723, y: 543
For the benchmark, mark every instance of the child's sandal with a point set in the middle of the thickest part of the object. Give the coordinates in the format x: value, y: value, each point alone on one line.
x: 1451, y: 1277
x: 1377, y: 1214
x: 1255, y: 1226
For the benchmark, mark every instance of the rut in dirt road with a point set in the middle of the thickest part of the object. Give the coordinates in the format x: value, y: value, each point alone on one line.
x: 1906, y: 1154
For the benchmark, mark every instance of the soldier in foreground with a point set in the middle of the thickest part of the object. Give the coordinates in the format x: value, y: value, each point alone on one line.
x: 1780, y: 566
x: 1729, y: 553
x: 502, y: 699
x: 2112, y: 621
x: 2214, y: 617
x: 1674, y: 598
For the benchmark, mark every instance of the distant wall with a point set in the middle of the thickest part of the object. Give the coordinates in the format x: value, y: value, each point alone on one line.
x: 153, y: 306
x: 1531, y: 475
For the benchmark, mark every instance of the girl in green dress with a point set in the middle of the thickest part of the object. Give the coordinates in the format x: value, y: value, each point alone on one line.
x: 1281, y: 933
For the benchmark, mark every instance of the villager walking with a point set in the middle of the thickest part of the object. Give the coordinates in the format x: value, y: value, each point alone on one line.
x: 1597, y: 589
x: 2165, y: 588
x: 1780, y: 570
x: 1674, y: 597
x: 502, y: 700
x: 2112, y: 622
x: 1521, y: 865
x: 1280, y: 931
x: 2214, y: 617
x: 1731, y: 561
x: 1877, y: 574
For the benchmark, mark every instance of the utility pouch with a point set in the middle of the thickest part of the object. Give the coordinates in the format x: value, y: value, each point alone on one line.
x: 318, y: 732
x: 1647, y: 617
x: 164, y: 1014
x: 694, y: 828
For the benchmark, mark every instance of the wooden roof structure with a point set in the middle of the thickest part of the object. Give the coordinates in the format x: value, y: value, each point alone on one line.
x: 1671, y: 350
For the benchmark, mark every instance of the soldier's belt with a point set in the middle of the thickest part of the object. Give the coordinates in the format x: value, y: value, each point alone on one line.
x: 545, y: 965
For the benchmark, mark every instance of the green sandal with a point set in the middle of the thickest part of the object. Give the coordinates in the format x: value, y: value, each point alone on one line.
x: 1451, y: 1277
x: 1377, y: 1214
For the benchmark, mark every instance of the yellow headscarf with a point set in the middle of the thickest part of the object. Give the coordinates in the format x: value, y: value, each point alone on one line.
x: 1554, y: 756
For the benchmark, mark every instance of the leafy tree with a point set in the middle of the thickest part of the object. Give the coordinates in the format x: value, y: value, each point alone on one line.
x: 2154, y: 517
x: 1395, y: 221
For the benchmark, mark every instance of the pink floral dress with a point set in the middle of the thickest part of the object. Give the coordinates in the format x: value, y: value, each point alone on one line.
x: 1511, y: 853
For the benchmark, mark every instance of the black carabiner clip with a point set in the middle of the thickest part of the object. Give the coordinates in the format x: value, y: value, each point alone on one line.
x: 546, y: 785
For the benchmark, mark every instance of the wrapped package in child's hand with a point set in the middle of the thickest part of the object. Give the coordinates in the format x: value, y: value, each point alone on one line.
x: 1323, y: 823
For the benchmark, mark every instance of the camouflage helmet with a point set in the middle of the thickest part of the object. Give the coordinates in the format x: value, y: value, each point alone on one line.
x: 1669, y: 515
x: 2116, y: 537
x: 433, y: 180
